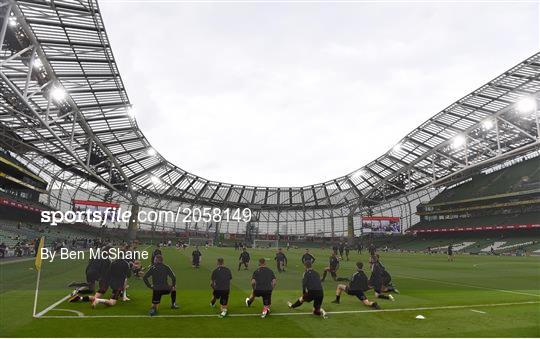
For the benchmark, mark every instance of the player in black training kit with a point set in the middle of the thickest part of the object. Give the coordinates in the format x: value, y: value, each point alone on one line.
x: 118, y: 272
x: 332, y: 268
x: 450, y: 252
x: 160, y: 285
x: 357, y: 286
x: 312, y: 290
x: 96, y: 271
x: 196, y: 257
x: 377, y: 279
x: 281, y: 260
x: 307, y: 257
x: 221, y: 285
x: 263, y: 282
x: 243, y: 259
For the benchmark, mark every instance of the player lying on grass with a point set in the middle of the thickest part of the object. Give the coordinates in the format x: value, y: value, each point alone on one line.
x: 376, y: 280
x: 119, y: 271
x: 243, y: 259
x: 196, y: 257
x: 312, y: 290
x: 96, y: 272
x: 281, y: 260
x: 263, y: 282
x: 308, y: 257
x: 221, y: 285
x: 357, y: 286
x: 159, y: 272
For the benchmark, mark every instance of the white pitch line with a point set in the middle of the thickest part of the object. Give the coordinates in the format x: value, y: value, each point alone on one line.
x: 291, y: 313
x: 40, y: 314
x: 477, y: 311
x: 467, y: 285
x: 78, y: 313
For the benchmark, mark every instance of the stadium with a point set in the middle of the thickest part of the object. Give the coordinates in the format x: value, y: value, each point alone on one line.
x: 451, y: 212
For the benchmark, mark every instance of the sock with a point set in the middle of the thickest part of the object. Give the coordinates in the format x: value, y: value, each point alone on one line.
x: 266, y: 308
x: 338, y: 297
x: 250, y: 301
x: 101, y: 301
x: 173, y: 297
x: 297, y: 303
x: 382, y: 296
x: 213, y: 301
x: 317, y: 312
x: 374, y: 305
x: 85, y: 298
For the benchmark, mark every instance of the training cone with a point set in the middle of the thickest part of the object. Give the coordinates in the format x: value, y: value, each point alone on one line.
x: 420, y: 317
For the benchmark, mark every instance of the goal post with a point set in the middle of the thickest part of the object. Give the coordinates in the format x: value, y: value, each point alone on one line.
x: 200, y: 241
x: 259, y: 243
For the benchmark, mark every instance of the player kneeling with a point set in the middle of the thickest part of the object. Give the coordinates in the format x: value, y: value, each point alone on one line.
x: 357, y: 286
x: 221, y: 284
x: 160, y: 286
x: 263, y: 282
x: 312, y: 291
x: 116, y: 279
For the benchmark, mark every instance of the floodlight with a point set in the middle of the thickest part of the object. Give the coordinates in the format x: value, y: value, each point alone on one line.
x: 12, y: 21
x: 155, y: 180
x: 459, y: 140
x: 58, y: 93
x: 37, y: 63
x: 488, y: 124
x: 359, y: 173
x: 151, y: 152
x: 526, y: 105
x: 131, y: 112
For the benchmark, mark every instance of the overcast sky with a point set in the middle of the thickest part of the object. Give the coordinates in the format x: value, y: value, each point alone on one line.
x: 291, y: 94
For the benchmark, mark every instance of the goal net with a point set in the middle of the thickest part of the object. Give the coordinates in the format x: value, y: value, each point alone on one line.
x: 200, y: 242
x: 265, y: 243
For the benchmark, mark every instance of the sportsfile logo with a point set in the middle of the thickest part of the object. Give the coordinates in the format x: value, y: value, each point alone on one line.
x: 186, y: 215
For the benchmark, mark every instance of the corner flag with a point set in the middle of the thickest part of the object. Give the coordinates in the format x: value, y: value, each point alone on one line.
x: 37, y: 263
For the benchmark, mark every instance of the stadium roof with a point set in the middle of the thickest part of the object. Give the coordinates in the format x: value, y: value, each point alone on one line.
x: 63, y: 102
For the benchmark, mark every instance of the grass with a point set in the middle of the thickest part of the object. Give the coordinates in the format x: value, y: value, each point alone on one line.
x: 425, y: 281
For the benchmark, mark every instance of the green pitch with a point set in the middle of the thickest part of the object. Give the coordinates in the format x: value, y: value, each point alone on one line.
x: 475, y: 296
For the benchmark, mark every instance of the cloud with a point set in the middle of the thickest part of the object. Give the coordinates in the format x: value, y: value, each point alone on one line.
x: 295, y: 94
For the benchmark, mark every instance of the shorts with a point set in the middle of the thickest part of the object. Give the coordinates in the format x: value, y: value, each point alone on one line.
x: 357, y: 293
x: 222, y: 295
x: 315, y: 296
x: 103, y: 286
x: 116, y: 294
x: 157, y: 294
x: 265, y: 295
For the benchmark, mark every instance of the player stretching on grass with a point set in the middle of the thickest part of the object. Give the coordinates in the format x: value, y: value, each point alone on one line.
x: 357, y: 287
x: 221, y: 285
x: 116, y: 280
x: 243, y: 259
x: 281, y: 260
x: 312, y: 290
x: 332, y: 268
x: 96, y: 271
x: 263, y: 282
x: 160, y: 285
x: 376, y: 280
